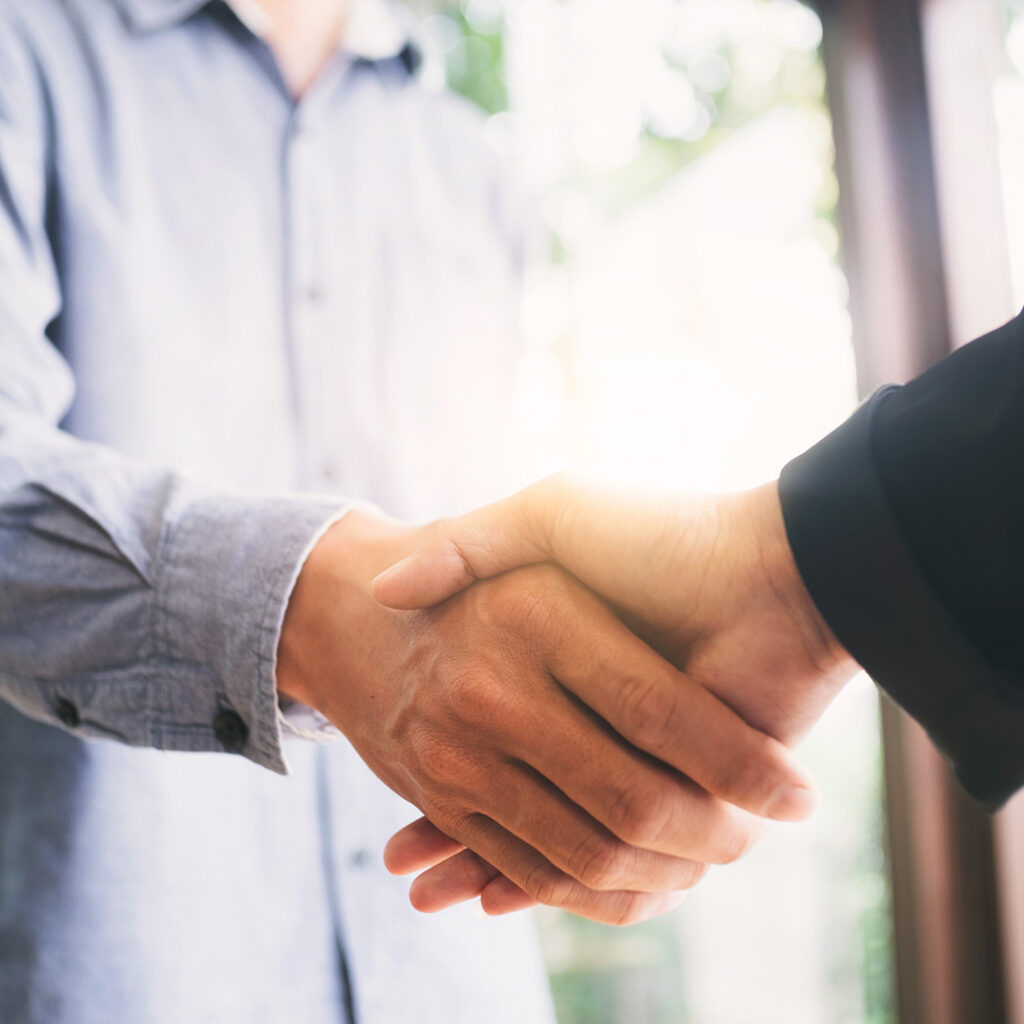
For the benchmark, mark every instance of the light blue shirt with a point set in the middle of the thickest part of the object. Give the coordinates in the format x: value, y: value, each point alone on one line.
x: 223, y: 315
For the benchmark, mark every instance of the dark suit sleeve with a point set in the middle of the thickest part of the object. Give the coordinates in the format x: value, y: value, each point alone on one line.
x: 907, y: 525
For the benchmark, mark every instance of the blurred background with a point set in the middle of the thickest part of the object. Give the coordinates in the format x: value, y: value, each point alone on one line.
x: 748, y: 214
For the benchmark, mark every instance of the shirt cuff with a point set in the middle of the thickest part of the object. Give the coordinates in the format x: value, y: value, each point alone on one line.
x: 298, y: 719
x: 868, y: 586
x: 226, y: 572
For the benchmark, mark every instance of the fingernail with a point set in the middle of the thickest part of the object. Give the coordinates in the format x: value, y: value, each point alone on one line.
x: 790, y: 803
x: 393, y: 570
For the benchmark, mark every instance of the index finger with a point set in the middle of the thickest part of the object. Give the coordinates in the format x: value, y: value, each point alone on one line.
x: 475, y: 546
x: 675, y: 719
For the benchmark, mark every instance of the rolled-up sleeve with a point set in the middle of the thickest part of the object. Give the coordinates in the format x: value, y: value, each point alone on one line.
x: 134, y: 604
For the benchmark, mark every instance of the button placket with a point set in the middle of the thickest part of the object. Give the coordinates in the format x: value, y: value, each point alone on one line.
x: 295, y: 185
x: 360, y: 858
x: 307, y: 296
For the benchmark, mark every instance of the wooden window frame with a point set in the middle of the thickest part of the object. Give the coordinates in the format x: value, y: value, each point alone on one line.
x: 924, y: 248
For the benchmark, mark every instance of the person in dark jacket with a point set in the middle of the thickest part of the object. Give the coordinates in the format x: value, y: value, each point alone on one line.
x: 895, y: 544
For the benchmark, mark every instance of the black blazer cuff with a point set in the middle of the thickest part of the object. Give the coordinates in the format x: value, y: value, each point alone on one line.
x: 870, y: 589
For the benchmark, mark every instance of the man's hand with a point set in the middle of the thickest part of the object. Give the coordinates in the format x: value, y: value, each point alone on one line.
x: 709, y: 582
x: 486, y: 712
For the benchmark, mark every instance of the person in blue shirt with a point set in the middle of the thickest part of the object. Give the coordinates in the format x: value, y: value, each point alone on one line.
x: 253, y: 273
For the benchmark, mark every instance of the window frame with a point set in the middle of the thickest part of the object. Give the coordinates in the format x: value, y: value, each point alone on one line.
x: 925, y: 253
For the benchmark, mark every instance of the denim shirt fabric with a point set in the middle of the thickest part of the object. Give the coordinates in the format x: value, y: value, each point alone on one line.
x: 224, y: 315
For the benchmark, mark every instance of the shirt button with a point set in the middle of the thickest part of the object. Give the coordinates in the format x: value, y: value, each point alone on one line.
x: 67, y: 712
x: 314, y: 295
x: 330, y: 473
x: 230, y: 730
x: 359, y: 859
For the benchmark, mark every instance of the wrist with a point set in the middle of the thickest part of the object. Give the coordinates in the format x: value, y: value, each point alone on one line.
x: 767, y: 618
x: 781, y: 574
x: 331, y: 597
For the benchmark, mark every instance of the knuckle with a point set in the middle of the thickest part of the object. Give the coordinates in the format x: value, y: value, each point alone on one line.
x: 692, y: 874
x: 503, y: 603
x: 451, y: 819
x: 440, y: 762
x: 527, y: 600
x: 735, y: 842
x: 635, y: 909
x: 638, y: 816
x: 478, y: 697
x: 555, y: 495
x: 555, y: 485
x: 648, y: 712
x: 550, y: 580
x: 599, y: 863
x: 547, y: 885
x: 750, y: 775
x: 404, y: 724
x: 419, y: 746
x: 441, y: 530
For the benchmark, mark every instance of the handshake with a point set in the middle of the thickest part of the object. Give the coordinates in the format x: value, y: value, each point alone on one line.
x: 591, y: 697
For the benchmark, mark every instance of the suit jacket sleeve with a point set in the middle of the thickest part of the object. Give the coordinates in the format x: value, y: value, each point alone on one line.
x: 907, y: 525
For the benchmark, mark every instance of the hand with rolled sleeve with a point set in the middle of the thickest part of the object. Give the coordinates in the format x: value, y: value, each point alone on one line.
x: 708, y: 582
x: 489, y: 714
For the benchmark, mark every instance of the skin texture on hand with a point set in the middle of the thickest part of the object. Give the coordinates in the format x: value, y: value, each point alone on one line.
x: 488, y: 713
x: 709, y: 582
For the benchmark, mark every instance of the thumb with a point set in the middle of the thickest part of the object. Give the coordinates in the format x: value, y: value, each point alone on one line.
x: 460, y: 551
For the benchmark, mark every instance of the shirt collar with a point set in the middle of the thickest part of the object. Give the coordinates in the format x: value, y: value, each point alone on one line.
x: 376, y: 30
x: 152, y: 15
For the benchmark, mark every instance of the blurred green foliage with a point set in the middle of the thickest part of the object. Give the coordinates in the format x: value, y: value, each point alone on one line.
x: 602, y: 975
x: 473, y: 53
x: 475, y: 65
